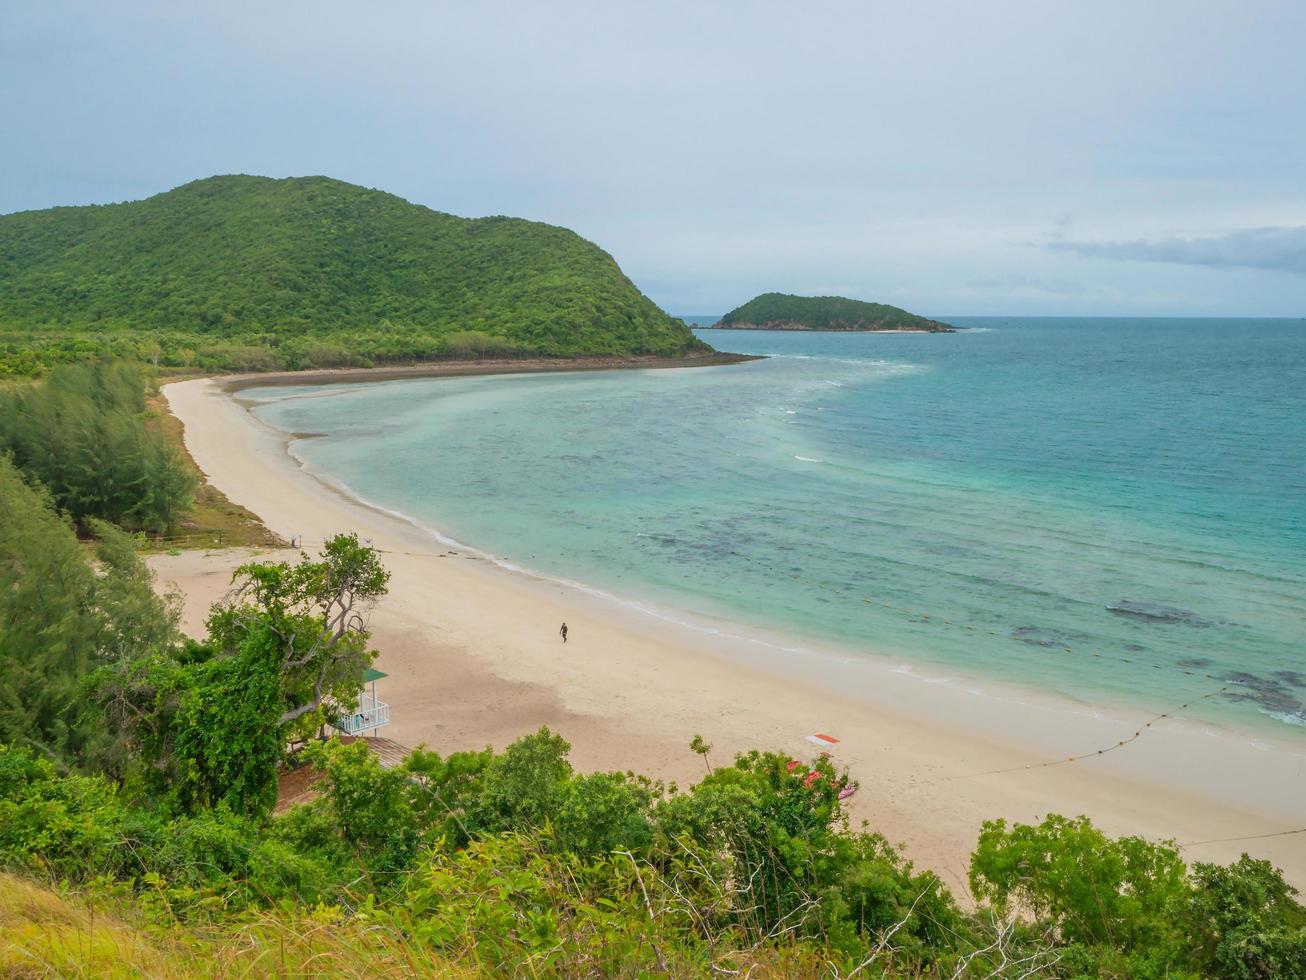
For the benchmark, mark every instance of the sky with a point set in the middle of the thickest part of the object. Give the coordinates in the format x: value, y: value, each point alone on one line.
x: 1021, y: 158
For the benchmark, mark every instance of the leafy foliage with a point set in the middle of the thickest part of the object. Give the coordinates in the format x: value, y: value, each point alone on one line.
x: 1129, y: 907
x: 250, y: 273
x: 1246, y: 921
x: 1099, y: 892
x: 751, y: 866
x: 61, y: 619
x: 83, y: 435
x: 68, y: 826
x: 284, y: 652
x: 780, y: 311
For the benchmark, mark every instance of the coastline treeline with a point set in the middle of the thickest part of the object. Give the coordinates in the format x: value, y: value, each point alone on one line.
x: 84, y: 436
x: 244, y: 273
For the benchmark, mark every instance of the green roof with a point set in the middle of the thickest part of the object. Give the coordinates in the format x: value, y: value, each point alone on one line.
x: 372, y: 674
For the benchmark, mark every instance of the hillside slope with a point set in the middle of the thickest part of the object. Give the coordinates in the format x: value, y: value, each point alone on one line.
x: 780, y: 311
x: 314, y: 270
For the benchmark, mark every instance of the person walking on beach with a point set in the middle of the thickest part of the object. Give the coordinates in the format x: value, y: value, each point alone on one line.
x: 563, y: 632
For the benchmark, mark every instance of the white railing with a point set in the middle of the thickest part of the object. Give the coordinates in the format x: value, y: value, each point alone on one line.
x: 366, y: 718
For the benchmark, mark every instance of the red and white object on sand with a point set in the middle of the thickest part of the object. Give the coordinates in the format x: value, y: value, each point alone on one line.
x: 824, y: 741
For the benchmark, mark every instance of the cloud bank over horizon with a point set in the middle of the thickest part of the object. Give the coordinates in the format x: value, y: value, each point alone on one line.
x: 1275, y: 249
x: 1017, y: 157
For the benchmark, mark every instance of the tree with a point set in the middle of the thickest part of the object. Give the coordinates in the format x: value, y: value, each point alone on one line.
x: 1115, y: 894
x: 1246, y: 922
x: 315, y: 613
x: 286, y: 651
x: 63, y: 618
x: 82, y: 434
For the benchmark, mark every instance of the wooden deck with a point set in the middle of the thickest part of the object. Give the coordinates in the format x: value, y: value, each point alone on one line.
x: 300, y: 785
x: 390, y: 753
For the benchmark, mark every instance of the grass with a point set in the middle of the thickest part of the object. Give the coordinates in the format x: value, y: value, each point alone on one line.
x: 213, y: 520
x: 56, y: 933
x: 44, y: 933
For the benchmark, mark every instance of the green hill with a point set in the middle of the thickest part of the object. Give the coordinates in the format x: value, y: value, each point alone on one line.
x: 780, y: 311
x: 251, y: 272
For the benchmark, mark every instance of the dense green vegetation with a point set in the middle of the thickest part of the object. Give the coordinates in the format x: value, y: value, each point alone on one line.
x: 513, y: 864
x: 250, y: 273
x: 141, y: 771
x: 780, y: 311
x: 61, y: 619
x: 84, y: 435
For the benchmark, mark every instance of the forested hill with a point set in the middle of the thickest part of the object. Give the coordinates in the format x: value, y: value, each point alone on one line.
x: 310, y: 271
x: 780, y: 311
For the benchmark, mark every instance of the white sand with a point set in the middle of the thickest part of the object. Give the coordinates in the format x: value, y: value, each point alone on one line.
x: 474, y: 658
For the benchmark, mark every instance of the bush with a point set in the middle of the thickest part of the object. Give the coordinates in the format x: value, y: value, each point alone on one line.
x: 1245, y: 922
x: 58, y: 826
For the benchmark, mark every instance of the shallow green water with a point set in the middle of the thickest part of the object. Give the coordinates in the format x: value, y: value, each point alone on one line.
x: 1109, y: 509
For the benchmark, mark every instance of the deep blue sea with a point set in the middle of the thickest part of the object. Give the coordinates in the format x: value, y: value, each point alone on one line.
x: 1109, y: 509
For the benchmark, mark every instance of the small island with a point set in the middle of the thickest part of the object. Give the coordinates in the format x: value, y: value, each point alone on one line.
x: 780, y: 311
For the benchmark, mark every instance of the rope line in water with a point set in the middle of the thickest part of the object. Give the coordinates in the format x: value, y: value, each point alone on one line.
x: 1086, y: 755
x: 1231, y: 840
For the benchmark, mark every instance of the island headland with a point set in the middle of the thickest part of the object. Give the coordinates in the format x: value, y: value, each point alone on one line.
x: 242, y: 273
x: 781, y: 311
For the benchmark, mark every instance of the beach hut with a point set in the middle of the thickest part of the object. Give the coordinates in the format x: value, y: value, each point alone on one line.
x: 371, y: 713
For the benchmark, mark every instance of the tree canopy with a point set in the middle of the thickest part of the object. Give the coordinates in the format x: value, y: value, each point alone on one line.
x: 83, y: 434
x: 253, y: 273
x: 62, y: 619
x: 286, y: 651
x: 780, y: 311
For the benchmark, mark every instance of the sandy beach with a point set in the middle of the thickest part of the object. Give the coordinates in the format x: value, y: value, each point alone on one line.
x: 473, y: 657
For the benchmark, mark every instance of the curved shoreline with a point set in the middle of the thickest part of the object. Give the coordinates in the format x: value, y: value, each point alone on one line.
x: 776, y: 644
x: 466, y: 369
x: 915, y: 746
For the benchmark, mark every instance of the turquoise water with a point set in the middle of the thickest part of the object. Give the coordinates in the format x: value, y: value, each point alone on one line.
x: 1113, y: 510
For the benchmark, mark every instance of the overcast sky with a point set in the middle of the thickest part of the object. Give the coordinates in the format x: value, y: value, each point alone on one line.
x: 1139, y: 157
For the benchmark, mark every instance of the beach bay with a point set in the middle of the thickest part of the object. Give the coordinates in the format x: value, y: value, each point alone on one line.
x: 473, y: 655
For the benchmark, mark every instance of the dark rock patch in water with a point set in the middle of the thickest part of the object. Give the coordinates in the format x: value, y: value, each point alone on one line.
x: 1194, y: 662
x: 1272, y: 694
x: 1155, y: 612
x: 1041, y: 636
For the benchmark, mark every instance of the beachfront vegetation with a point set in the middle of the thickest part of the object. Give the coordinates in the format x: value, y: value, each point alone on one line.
x: 63, y: 616
x: 140, y: 775
x: 512, y: 864
x: 84, y: 435
x: 251, y: 274
x: 781, y: 311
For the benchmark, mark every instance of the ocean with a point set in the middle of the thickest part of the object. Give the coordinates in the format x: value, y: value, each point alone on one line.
x: 1112, y: 510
